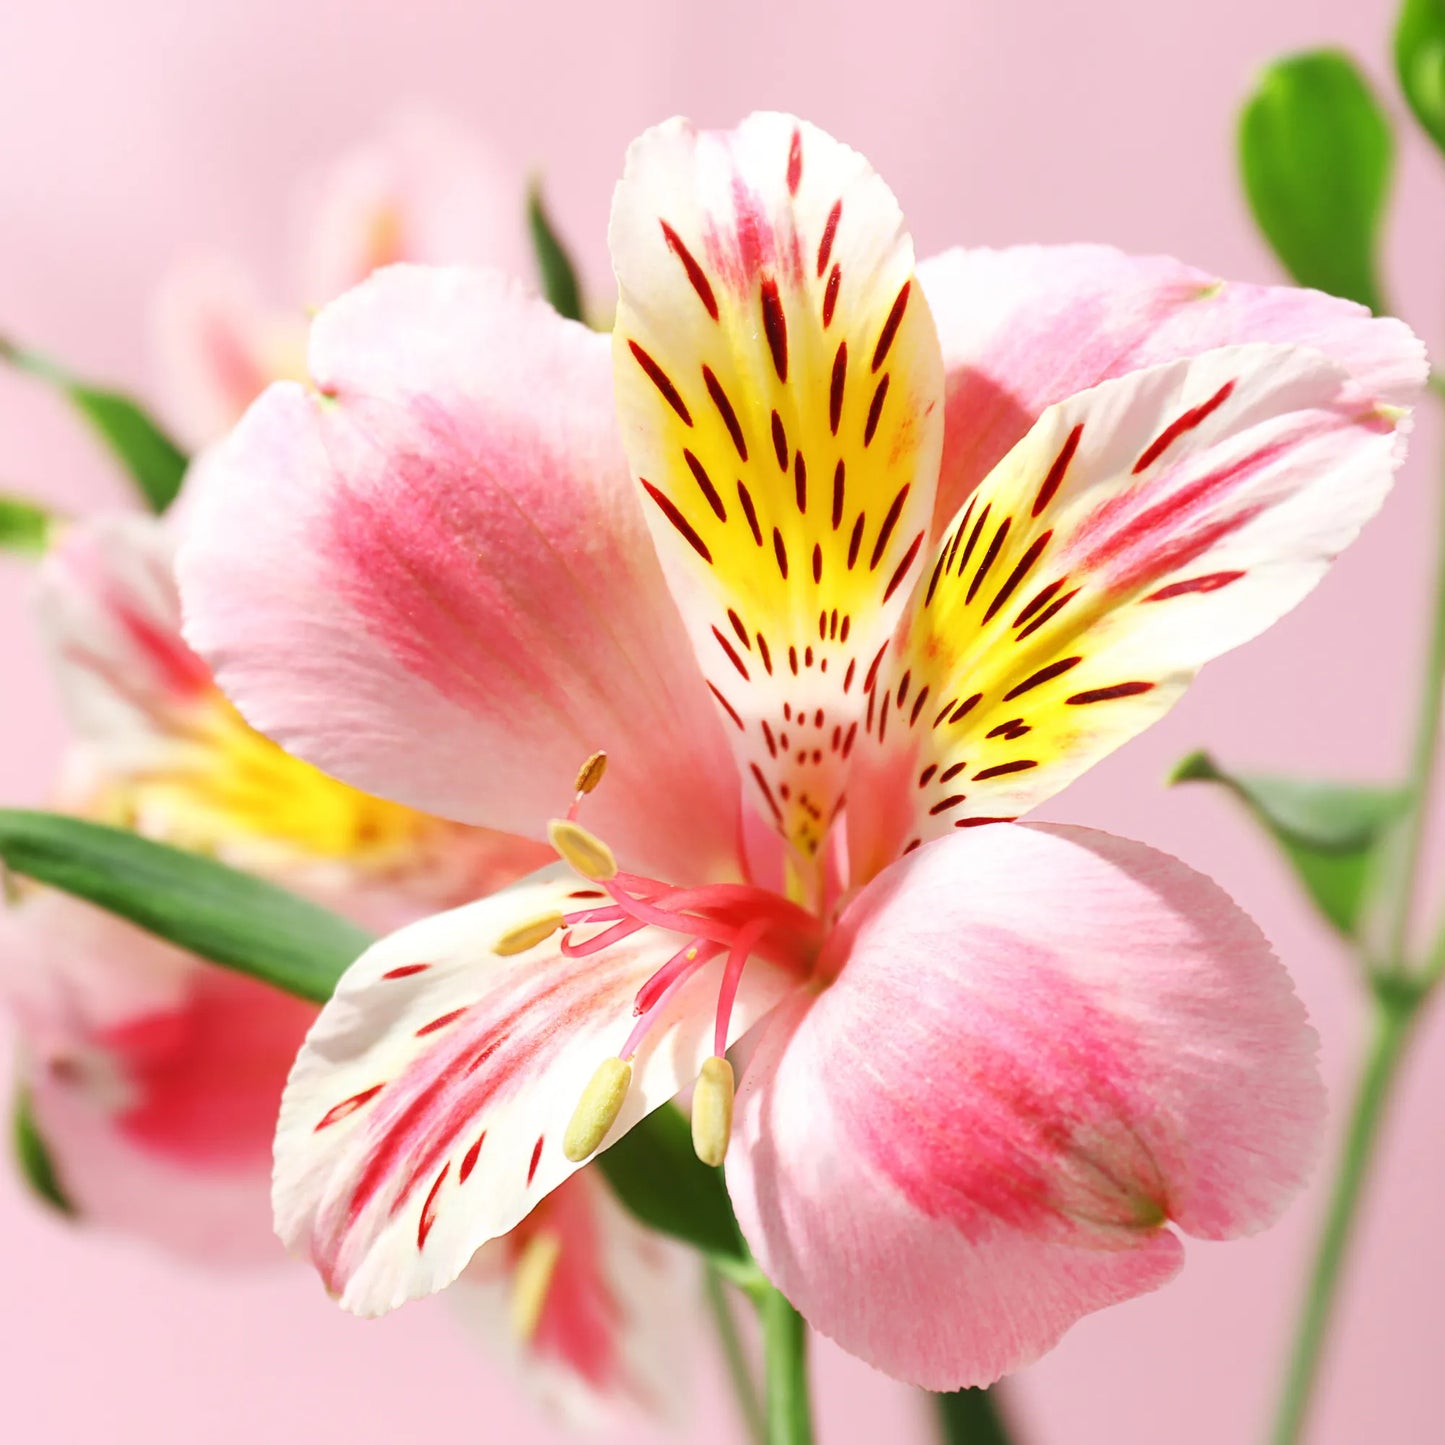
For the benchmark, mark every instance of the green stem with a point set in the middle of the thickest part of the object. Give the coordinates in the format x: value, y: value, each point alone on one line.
x: 1394, y: 1014
x: 785, y: 1345
x: 972, y: 1417
x: 745, y: 1389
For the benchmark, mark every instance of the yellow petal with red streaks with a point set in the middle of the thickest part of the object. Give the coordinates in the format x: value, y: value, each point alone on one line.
x: 779, y: 387
x: 1139, y: 529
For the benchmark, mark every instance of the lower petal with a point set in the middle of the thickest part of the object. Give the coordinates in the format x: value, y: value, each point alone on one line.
x: 1042, y: 1044
x: 427, y: 1110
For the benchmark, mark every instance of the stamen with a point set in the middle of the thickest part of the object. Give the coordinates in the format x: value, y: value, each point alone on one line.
x: 590, y: 774
x: 712, y: 1111
x: 656, y: 1007
x: 527, y: 935
x: 531, y: 1279
x: 743, y: 945
x: 665, y: 977
x: 589, y: 855
x: 605, y: 939
x: 597, y: 1109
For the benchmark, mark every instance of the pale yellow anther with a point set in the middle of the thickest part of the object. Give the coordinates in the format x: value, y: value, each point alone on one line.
x: 590, y: 856
x: 712, y: 1111
x: 527, y: 935
x: 531, y: 1279
x: 597, y: 1109
x: 1387, y: 412
x: 590, y: 773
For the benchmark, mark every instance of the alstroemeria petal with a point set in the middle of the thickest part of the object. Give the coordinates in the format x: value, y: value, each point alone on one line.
x: 154, y: 1078
x: 599, y: 1338
x: 219, y: 346
x: 108, y: 609
x: 1028, y: 326
x: 447, y: 594
x: 779, y: 388
x: 422, y: 190
x: 1139, y: 530
x: 427, y: 1111
x: 1042, y: 1043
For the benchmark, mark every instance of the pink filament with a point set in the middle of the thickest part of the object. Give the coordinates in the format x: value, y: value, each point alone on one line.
x: 727, y: 993
x: 705, y: 954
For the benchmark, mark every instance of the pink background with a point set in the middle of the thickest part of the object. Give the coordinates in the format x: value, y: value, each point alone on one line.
x: 137, y: 131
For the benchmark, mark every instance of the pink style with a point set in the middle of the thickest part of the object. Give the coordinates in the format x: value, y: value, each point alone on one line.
x: 836, y: 566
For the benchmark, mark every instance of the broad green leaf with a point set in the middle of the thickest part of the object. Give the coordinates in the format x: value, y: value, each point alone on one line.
x: 25, y: 527
x: 32, y: 1157
x: 155, y: 464
x: 1316, y: 154
x: 657, y: 1175
x: 201, y: 905
x: 256, y: 928
x: 554, y: 264
x: 1329, y: 832
x: 971, y: 1417
x: 1420, y: 63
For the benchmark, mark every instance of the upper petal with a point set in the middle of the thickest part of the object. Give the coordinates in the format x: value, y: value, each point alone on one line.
x: 427, y: 1110
x: 1028, y: 326
x: 446, y: 594
x: 1138, y: 530
x: 1041, y: 1044
x: 778, y: 385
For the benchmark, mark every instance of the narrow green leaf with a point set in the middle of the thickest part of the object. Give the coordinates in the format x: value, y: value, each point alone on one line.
x: 1420, y: 63
x: 554, y: 264
x: 25, y: 527
x: 256, y: 928
x: 971, y: 1417
x: 195, y: 902
x: 1329, y: 832
x: 654, y: 1170
x: 1316, y: 154
x: 153, y: 461
x: 32, y: 1157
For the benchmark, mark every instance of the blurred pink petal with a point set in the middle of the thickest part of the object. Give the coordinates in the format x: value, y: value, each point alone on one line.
x: 424, y: 190
x: 218, y: 346
x: 154, y: 1077
x: 1040, y: 1044
x: 589, y: 1307
x: 444, y: 543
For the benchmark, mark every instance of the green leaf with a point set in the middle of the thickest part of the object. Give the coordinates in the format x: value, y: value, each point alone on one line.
x: 256, y: 928
x: 971, y: 1417
x: 32, y: 1157
x: 654, y: 1170
x: 25, y: 527
x: 1316, y: 154
x: 1420, y: 63
x: 153, y: 461
x: 1329, y: 832
x: 195, y: 902
x: 554, y: 264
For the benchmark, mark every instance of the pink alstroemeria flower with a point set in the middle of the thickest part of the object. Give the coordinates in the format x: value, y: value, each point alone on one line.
x: 875, y: 557
x: 421, y: 191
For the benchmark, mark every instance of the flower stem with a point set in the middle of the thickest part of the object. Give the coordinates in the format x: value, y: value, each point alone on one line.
x: 972, y: 1417
x: 745, y: 1389
x: 785, y: 1344
x: 1393, y: 1016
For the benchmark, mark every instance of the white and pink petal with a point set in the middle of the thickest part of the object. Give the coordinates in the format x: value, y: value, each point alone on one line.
x: 1041, y: 1045
x: 427, y: 1111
